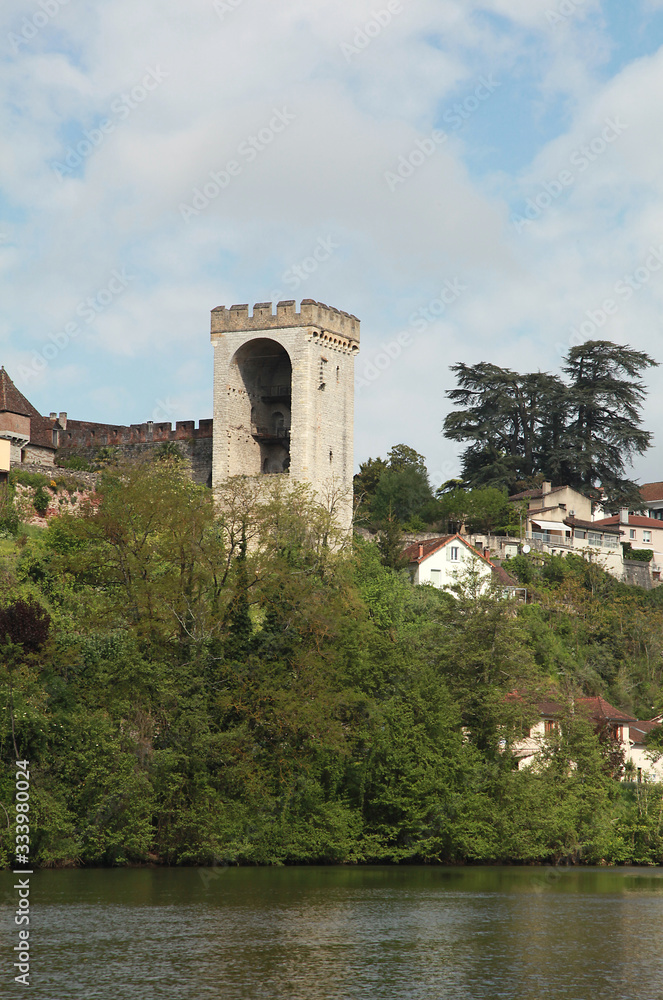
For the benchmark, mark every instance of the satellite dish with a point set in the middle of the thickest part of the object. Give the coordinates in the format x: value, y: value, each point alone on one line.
x: 527, y: 548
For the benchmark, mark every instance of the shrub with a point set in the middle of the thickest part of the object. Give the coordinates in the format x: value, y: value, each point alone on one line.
x: 75, y: 464
x: 25, y: 623
x: 168, y: 451
x: 9, y: 519
x: 25, y: 478
x: 639, y: 555
x: 40, y: 501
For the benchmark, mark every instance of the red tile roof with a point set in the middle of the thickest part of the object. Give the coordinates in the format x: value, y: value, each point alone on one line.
x: 651, y: 491
x: 504, y: 578
x: 634, y: 521
x: 411, y: 553
x: 13, y: 401
x: 599, y: 708
x: 638, y: 731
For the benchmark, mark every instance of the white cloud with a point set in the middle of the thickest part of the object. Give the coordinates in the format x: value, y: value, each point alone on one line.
x: 323, y: 175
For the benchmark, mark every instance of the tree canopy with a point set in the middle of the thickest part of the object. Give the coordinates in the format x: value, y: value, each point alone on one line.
x: 582, y: 432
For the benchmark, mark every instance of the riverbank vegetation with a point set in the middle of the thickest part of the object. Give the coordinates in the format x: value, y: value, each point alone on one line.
x: 237, y: 685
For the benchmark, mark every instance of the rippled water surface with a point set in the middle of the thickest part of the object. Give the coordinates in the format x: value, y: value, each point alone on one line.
x: 328, y: 933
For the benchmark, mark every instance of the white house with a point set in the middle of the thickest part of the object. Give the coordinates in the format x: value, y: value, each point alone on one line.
x: 559, y: 520
x: 645, y: 766
x: 642, y: 533
x: 443, y: 561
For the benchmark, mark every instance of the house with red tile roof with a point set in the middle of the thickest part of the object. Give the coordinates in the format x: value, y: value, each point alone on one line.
x: 645, y: 533
x: 629, y: 733
x: 652, y: 495
x: 559, y: 520
x: 443, y: 561
x: 32, y: 438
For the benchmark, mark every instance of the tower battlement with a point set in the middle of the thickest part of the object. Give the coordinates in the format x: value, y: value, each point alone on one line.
x: 326, y: 318
x: 284, y: 395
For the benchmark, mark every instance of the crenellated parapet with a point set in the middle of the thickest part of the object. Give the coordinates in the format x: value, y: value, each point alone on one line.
x: 312, y: 314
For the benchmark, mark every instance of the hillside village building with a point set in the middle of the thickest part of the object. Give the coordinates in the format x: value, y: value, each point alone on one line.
x: 628, y: 733
x: 445, y: 560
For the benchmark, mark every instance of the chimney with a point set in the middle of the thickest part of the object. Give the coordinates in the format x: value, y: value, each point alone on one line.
x: 63, y: 421
x: 546, y: 488
x: 52, y: 416
x: 623, y: 515
x: 486, y: 553
x: 421, y: 551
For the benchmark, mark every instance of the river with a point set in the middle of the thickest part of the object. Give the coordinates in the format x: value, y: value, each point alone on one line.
x: 340, y: 934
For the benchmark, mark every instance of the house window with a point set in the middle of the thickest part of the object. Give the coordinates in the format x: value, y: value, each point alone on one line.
x: 631, y: 532
x: 646, y: 536
x: 436, y: 577
x: 453, y: 551
x: 593, y: 538
x: 549, y: 727
x: 619, y: 733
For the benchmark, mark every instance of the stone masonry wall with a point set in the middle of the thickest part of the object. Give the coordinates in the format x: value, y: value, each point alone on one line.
x: 84, y: 439
x: 322, y: 412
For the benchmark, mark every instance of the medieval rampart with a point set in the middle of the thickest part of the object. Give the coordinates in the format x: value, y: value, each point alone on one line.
x: 84, y: 439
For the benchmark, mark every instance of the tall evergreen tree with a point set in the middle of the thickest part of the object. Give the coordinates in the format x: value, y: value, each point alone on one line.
x: 603, y: 432
x: 502, y: 416
x: 582, y: 433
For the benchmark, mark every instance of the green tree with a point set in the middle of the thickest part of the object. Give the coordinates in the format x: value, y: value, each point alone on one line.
x: 502, y: 413
x: 391, y: 544
x: 603, y: 432
x: 582, y: 432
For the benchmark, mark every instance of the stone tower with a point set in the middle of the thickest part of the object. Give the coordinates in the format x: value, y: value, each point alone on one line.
x: 284, y: 393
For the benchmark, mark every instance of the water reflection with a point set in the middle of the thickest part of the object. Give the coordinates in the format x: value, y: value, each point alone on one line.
x: 331, y: 933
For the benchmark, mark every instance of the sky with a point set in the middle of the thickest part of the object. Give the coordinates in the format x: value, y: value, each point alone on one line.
x: 476, y: 181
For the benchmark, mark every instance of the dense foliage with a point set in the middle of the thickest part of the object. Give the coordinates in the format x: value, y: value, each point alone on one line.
x: 582, y: 432
x: 397, y: 492
x: 234, y: 685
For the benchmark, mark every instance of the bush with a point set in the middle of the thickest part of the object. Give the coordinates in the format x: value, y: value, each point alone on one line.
x: 521, y: 567
x: 9, y: 519
x: 639, y: 555
x: 168, y: 451
x: 75, y: 463
x: 40, y: 501
x: 24, y: 478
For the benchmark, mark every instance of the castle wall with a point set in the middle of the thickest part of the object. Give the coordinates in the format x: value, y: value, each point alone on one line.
x: 84, y: 439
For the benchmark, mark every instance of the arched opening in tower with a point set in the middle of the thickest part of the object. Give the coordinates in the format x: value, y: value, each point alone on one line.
x: 260, y: 406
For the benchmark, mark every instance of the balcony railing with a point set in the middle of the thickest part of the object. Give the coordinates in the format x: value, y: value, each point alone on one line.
x: 275, y: 433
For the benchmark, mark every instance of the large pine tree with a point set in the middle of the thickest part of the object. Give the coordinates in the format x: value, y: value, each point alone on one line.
x: 583, y: 432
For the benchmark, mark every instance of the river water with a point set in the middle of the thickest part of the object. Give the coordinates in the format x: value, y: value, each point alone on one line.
x: 340, y: 934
